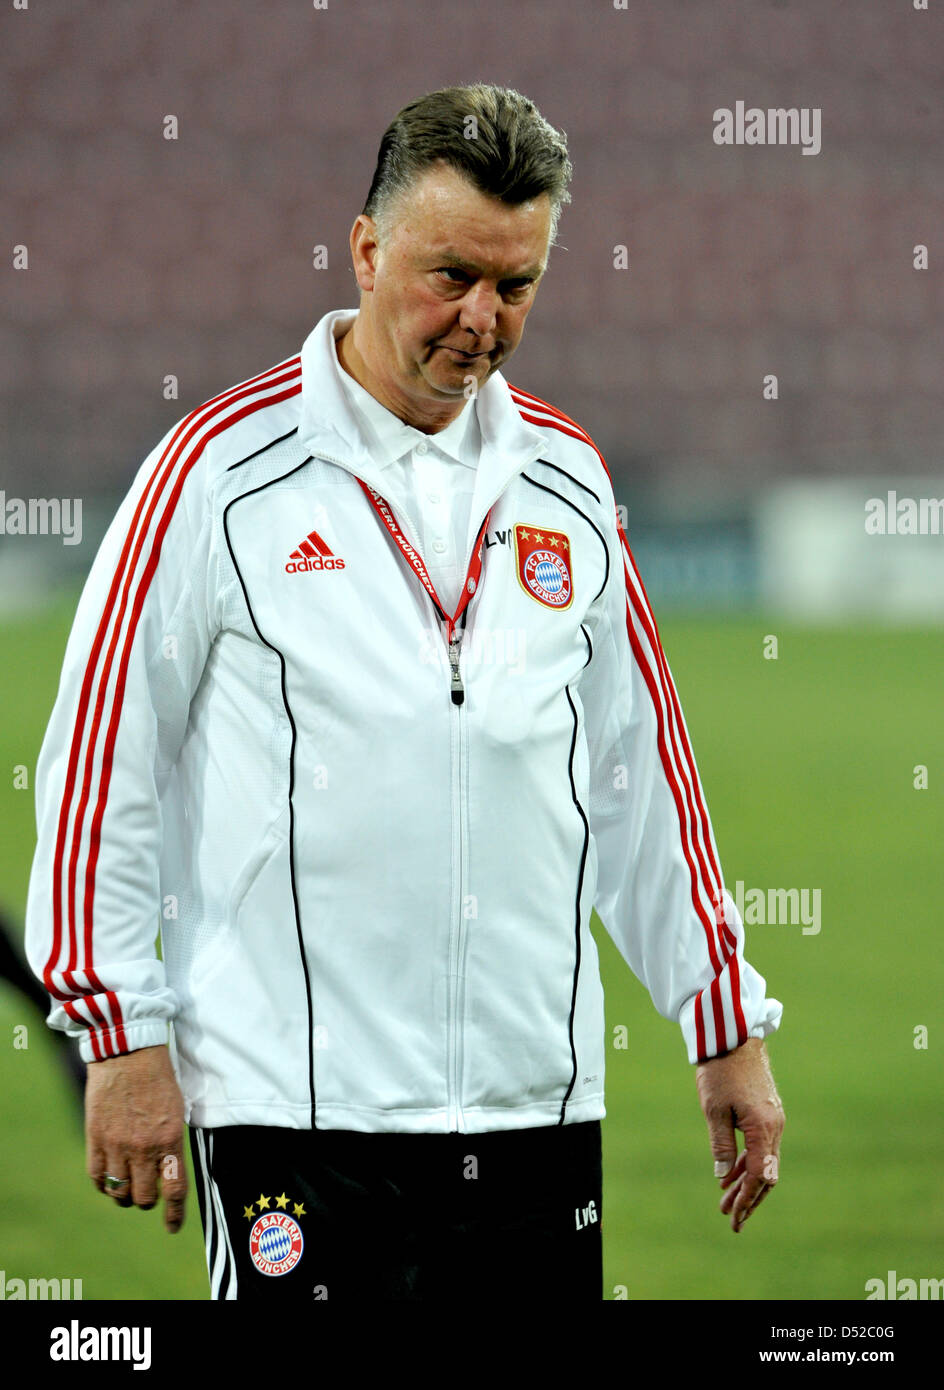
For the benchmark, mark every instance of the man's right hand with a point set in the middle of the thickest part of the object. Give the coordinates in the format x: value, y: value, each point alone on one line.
x: 134, y: 1124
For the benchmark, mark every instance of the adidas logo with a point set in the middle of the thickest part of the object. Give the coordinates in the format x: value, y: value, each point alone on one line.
x: 312, y: 554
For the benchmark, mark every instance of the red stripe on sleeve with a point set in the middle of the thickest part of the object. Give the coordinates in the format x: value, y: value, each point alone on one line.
x: 218, y: 402
x: 136, y: 610
x: 127, y: 562
x: 700, y: 826
x: 697, y: 837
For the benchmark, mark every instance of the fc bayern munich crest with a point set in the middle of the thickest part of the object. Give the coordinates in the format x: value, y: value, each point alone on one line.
x: 276, y: 1243
x: 544, y: 567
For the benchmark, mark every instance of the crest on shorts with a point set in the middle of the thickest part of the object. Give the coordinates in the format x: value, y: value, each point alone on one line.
x: 275, y: 1238
x: 543, y: 563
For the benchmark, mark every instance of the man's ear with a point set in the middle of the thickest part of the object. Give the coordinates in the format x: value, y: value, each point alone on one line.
x: 364, y: 251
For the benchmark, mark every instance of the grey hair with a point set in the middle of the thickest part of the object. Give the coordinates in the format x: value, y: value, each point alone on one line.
x: 493, y: 136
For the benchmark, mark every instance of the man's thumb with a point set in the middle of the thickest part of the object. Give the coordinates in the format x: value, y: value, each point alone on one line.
x: 723, y: 1147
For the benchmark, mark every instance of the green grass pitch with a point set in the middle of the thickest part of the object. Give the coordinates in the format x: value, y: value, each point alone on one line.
x: 807, y: 762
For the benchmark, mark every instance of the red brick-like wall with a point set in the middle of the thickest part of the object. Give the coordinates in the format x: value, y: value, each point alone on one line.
x: 193, y: 257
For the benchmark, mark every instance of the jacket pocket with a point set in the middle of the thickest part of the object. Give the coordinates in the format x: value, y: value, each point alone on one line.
x: 215, y: 955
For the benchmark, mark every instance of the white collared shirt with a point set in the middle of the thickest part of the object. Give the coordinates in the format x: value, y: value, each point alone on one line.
x: 428, y: 479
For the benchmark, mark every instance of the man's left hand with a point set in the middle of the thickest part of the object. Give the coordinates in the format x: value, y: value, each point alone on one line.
x: 737, y: 1091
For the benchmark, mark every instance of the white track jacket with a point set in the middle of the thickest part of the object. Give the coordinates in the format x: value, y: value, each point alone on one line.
x: 371, y: 853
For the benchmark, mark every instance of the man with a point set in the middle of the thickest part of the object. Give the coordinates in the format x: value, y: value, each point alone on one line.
x: 364, y: 699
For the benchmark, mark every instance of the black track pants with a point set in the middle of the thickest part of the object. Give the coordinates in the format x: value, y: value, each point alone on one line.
x: 315, y: 1215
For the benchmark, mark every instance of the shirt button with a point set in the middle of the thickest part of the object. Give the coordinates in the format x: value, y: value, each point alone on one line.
x: 439, y: 546
x: 434, y: 496
x: 422, y: 447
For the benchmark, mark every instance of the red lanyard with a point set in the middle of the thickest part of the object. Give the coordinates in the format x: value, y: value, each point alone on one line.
x: 415, y: 561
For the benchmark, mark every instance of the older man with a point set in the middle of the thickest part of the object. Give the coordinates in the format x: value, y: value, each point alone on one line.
x: 364, y: 700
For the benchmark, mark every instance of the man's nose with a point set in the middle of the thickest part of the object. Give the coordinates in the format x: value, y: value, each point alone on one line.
x: 478, y: 312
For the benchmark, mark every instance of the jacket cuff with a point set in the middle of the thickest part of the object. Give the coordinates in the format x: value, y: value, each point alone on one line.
x: 98, y: 1044
x: 768, y: 1021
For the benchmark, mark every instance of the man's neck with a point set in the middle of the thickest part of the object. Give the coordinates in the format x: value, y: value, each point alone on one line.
x: 430, y: 420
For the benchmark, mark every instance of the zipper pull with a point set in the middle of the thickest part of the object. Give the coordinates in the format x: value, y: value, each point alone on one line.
x: 458, y: 692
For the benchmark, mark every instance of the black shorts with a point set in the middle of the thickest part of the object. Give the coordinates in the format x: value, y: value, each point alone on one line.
x: 316, y: 1215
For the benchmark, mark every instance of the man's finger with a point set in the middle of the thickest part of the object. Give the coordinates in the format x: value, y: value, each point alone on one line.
x: 747, y: 1208
x: 757, y: 1172
x: 723, y: 1140
x: 95, y: 1166
x: 174, y: 1190
x: 731, y: 1196
x: 734, y: 1172
x: 761, y: 1169
x: 114, y: 1179
x: 747, y: 1182
x: 144, y: 1180
x: 741, y: 1200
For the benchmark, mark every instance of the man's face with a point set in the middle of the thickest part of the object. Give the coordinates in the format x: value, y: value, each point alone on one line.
x: 449, y: 288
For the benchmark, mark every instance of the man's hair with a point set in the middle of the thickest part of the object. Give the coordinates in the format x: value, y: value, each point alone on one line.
x: 493, y: 136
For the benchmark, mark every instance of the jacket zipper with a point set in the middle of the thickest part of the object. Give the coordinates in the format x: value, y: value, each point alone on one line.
x: 457, y: 934
x: 458, y: 689
x: 460, y: 871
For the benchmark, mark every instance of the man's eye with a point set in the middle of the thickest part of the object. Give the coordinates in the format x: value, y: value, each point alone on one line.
x: 450, y: 270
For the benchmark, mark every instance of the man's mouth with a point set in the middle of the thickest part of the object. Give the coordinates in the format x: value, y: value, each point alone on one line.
x: 462, y: 355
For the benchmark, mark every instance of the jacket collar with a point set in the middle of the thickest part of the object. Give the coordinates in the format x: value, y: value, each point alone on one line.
x: 329, y: 428
x: 392, y: 438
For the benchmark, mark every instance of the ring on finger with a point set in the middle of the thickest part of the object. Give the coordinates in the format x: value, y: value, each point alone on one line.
x: 113, y: 1184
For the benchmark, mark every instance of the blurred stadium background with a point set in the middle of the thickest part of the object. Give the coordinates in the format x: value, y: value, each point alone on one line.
x: 192, y: 258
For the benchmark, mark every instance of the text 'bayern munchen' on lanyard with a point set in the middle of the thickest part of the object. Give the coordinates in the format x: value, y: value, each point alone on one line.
x: 415, y: 560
